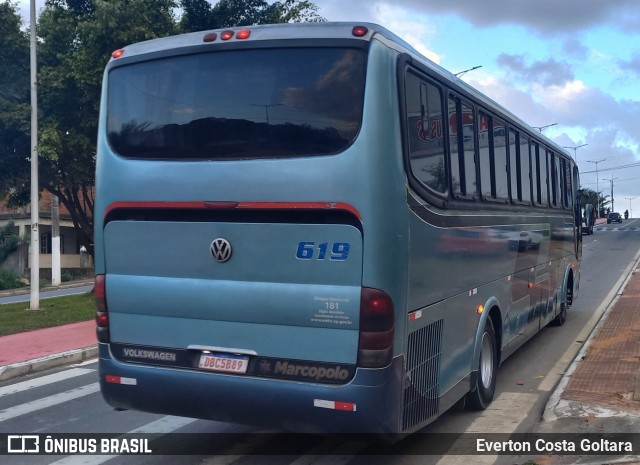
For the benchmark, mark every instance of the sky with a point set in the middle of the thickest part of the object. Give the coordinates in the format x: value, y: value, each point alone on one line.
x: 572, y: 64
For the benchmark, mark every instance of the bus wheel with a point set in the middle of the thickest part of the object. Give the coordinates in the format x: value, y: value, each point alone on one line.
x: 560, y: 317
x: 482, y: 394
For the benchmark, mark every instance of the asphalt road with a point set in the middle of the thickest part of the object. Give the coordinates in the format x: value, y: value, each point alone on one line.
x: 46, y: 294
x: 69, y: 400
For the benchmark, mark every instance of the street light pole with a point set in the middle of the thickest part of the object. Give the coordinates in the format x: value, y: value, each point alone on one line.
x: 462, y: 73
x: 597, y: 182
x: 540, y: 128
x: 34, y: 303
x: 630, y: 211
x: 575, y: 149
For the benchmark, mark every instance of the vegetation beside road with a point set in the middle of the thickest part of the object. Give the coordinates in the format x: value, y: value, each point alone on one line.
x: 56, y: 311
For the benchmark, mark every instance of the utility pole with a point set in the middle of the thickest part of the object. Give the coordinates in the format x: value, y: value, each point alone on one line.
x: 34, y: 303
x: 575, y: 151
x: 611, y: 181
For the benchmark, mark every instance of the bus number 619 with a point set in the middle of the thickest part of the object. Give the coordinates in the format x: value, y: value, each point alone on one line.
x: 339, y: 251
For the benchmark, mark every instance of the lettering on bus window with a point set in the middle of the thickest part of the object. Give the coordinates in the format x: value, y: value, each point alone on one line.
x: 425, y: 133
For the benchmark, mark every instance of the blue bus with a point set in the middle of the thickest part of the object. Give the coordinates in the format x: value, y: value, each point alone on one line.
x: 315, y: 228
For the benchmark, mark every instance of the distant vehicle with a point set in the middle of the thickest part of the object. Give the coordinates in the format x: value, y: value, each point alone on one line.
x: 586, y: 228
x: 614, y: 217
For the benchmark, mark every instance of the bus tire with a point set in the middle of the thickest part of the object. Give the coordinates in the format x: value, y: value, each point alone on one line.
x: 561, y: 317
x: 482, y: 394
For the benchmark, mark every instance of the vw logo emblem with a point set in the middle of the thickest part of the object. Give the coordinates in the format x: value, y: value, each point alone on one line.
x: 221, y: 250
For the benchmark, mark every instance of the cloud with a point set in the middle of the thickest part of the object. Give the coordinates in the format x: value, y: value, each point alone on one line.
x: 544, y: 16
x: 547, y: 72
x: 632, y: 65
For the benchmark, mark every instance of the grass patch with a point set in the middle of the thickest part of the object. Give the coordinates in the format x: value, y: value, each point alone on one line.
x: 56, y: 311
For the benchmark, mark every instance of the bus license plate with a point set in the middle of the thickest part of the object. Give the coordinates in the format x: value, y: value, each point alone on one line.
x: 224, y: 363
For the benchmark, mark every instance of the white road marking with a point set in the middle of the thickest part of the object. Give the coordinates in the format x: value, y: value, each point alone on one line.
x: 49, y: 401
x: 162, y: 426
x: 43, y: 381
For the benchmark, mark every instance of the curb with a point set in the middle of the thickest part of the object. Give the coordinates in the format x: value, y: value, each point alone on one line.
x: 26, y: 290
x: 50, y: 361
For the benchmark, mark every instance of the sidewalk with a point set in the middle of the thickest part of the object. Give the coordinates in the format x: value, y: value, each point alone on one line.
x: 42, y: 349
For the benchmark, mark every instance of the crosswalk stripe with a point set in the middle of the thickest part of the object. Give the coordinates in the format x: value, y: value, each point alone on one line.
x: 49, y: 401
x: 164, y: 425
x: 43, y: 381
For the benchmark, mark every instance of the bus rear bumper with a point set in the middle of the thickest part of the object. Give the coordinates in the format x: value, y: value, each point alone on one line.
x: 370, y: 403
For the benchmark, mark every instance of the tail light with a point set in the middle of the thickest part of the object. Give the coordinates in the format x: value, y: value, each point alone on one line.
x: 102, y: 313
x: 375, y: 347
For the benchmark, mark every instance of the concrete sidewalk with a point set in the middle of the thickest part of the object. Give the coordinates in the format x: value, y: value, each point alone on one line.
x: 42, y: 349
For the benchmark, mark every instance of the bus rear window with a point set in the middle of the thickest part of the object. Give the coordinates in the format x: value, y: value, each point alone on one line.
x: 241, y: 104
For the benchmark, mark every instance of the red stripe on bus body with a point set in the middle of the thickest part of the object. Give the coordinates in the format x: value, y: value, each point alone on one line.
x: 237, y: 205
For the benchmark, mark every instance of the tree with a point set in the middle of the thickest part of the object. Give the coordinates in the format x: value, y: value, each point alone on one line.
x: 201, y: 15
x: 596, y: 199
x: 76, y: 38
x: 15, y: 106
x: 8, y: 241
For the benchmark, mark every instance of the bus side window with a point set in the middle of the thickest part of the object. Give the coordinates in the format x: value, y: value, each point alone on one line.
x: 425, y: 127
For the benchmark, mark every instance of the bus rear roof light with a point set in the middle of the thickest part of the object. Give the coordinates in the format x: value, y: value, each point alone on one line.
x: 117, y: 53
x: 359, y: 31
x: 243, y: 34
x: 226, y: 35
x: 210, y: 37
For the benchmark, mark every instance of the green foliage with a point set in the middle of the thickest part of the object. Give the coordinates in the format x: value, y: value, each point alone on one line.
x: 200, y: 15
x: 9, y: 280
x: 75, y: 41
x: 15, y: 107
x: 8, y: 241
x: 594, y: 198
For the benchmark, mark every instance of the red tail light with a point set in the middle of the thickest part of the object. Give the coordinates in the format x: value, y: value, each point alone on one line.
x: 102, y: 313
x: 375, y: 348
